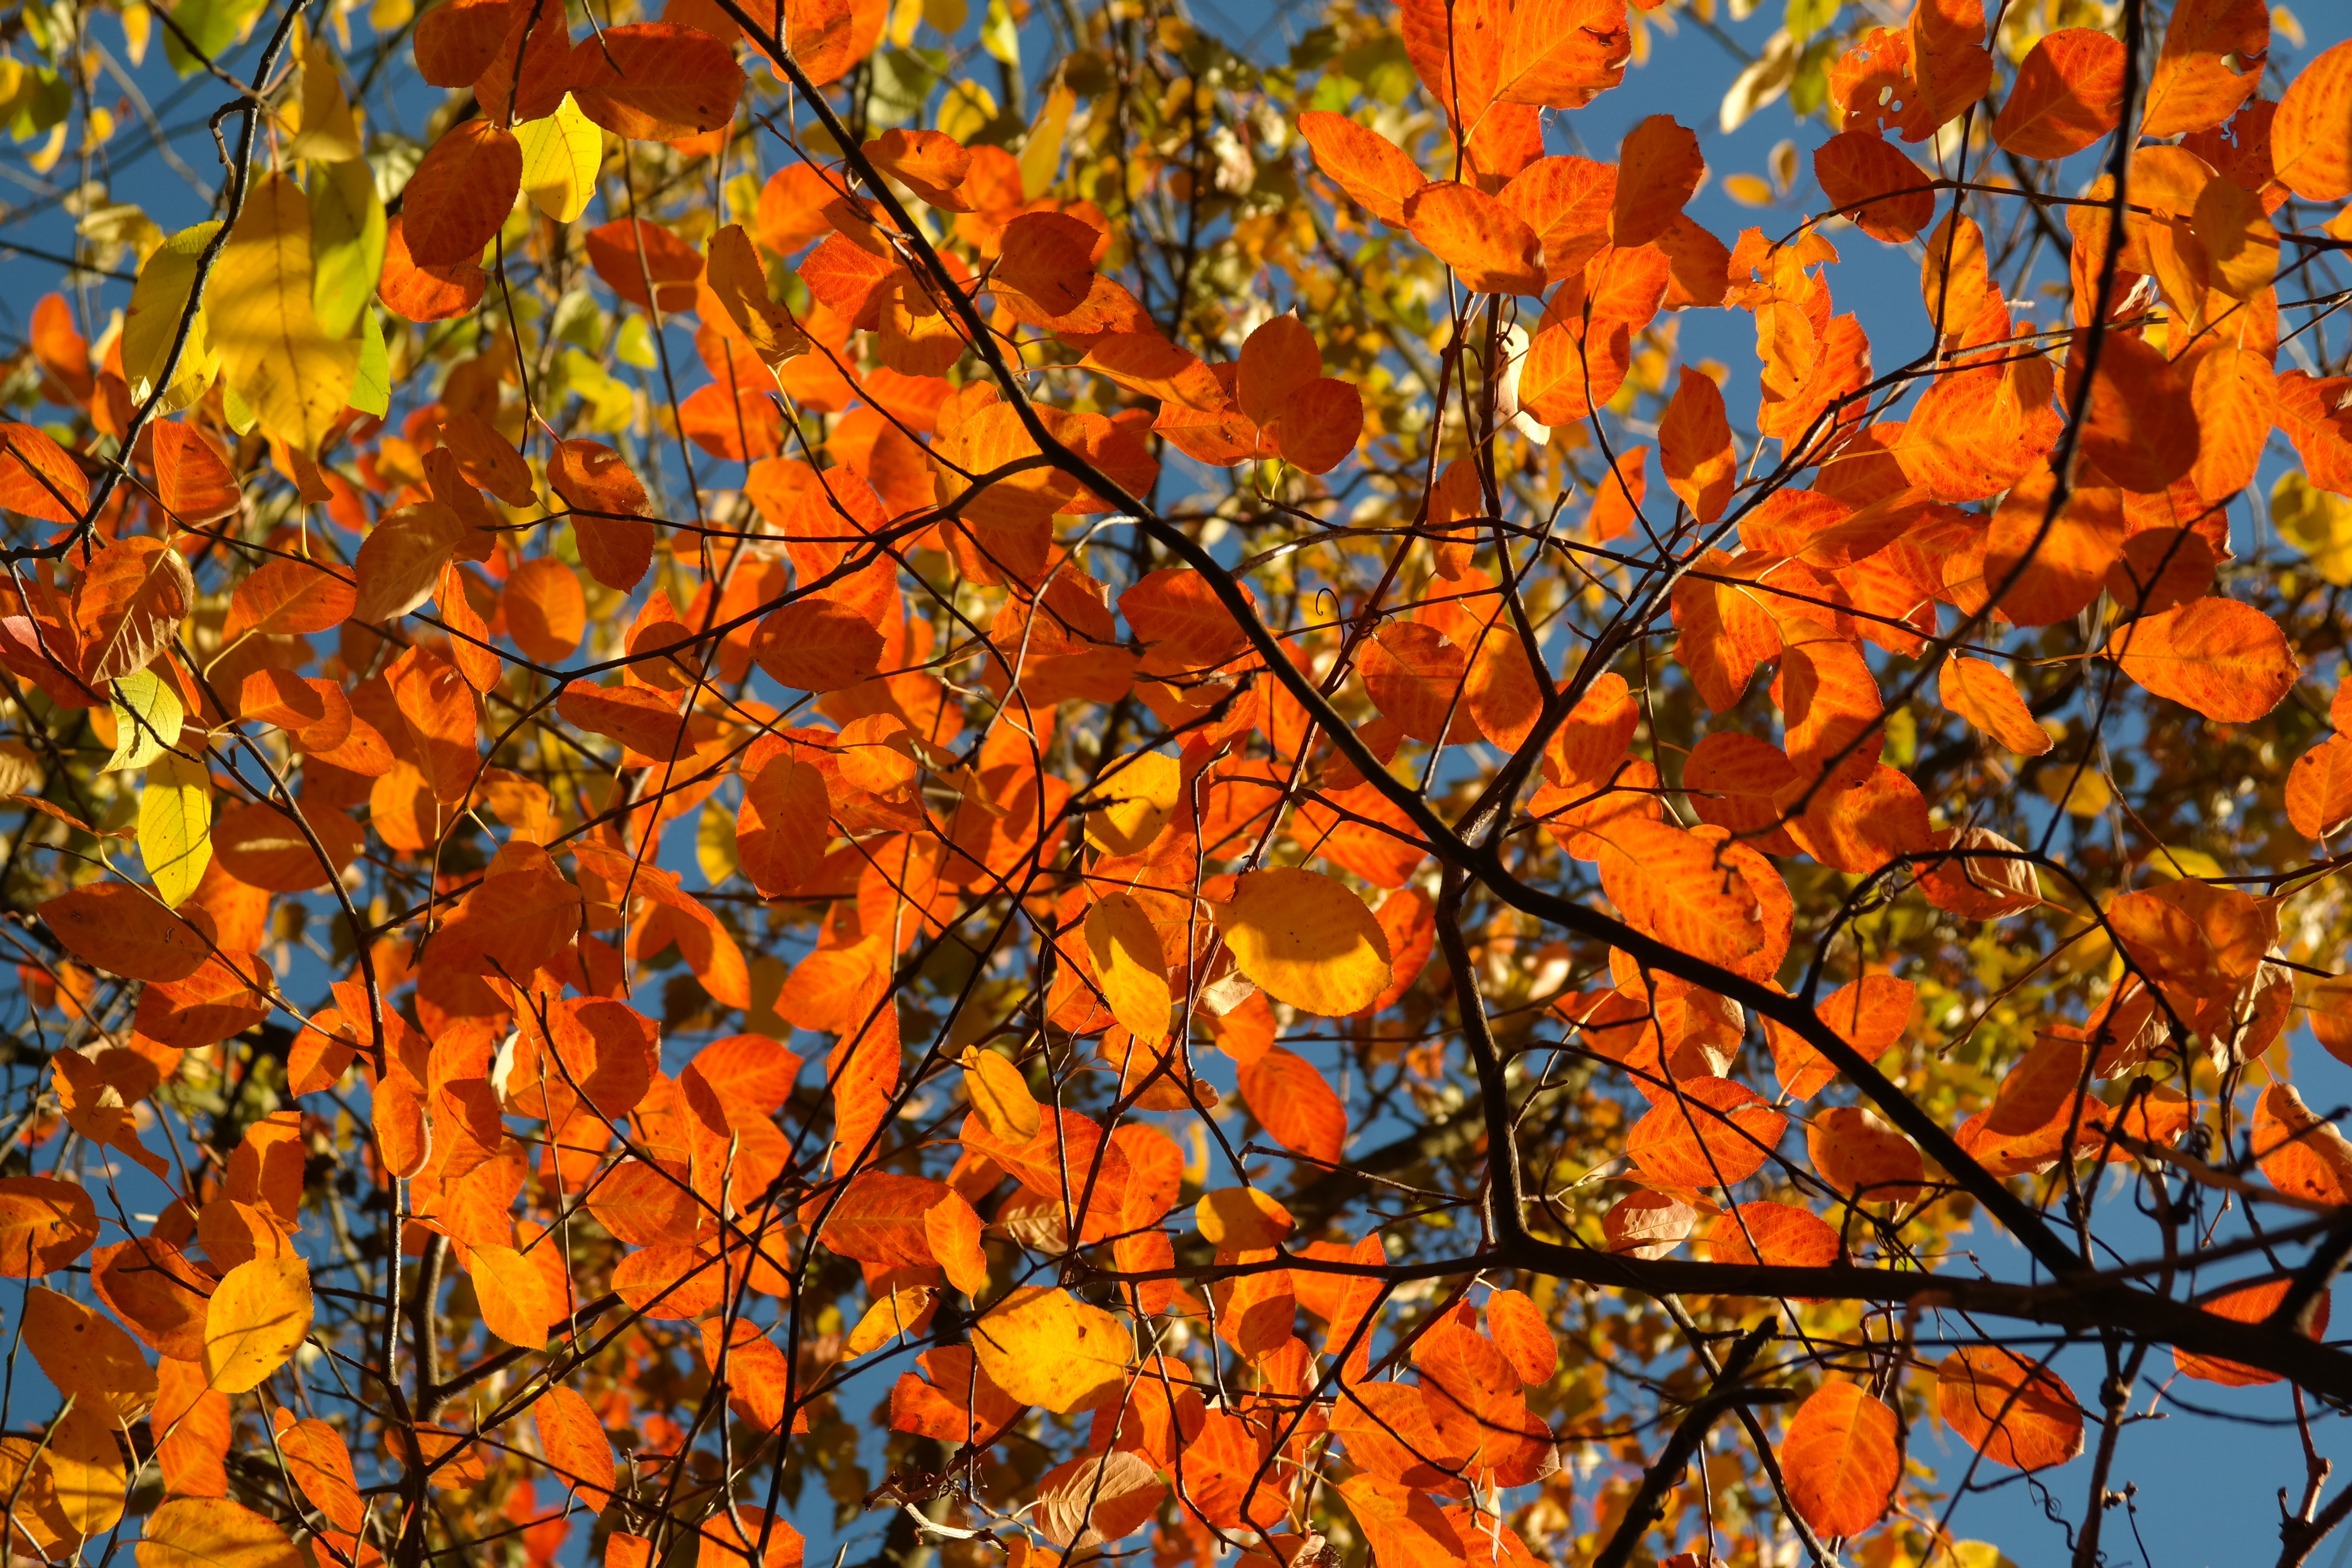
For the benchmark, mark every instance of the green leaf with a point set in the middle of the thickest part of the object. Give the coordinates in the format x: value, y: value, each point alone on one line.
x: 176, y: 818
x: 372, y: 383
x: 211, y: 24
x: 347, y: 241
x: 147, y: 719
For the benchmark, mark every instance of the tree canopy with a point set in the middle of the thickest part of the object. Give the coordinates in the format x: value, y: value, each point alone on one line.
x: 1002, y: 783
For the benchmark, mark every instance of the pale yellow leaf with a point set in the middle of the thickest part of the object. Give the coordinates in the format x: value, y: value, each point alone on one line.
x: 295, y: 377
x: 175, y: 820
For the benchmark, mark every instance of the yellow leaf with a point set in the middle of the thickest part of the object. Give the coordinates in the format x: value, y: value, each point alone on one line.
x: 901, y: 1312
x: 714, y: 849
x: 1242, y: 1217
x: 87, y: 1467
x: 1045, y: 1347
x: 272, y: 350
x: 1000, y: 1094
x: 1041, y: 154
x: 157, y: 300
x: 1129, y: 963
x: 561, y: 155
x: 1143, y: 793
x: 257, y: 1315
x: 1306, y: 940
x: 2316, y: 522
x: 214, y: 1532
x: 329, y: 134
x: 1748, y: 190
x: 175, y: 820
x: 740, y: 282
x: 147, y: 720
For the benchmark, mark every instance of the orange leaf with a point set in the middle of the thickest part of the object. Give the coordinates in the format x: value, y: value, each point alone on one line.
x: 1861, y: 1158
x: 1456, y: 49
x: 829, y: 38
x: 2058, y: 565
x: 1778, y: 1234
x: 1405, y: 1529
x: 2251, y: 1304
x: 2044, y: 1086
x: 1296, y: 1104
x: 289, y: 596
x: 1715, y: 1132
x: 457, y: 42
x: 616, y: 544
x: 657, y: 81
x: 45, y: 1224
x: 1388, y: 1433
x: 1150, y: 364
x: 1889, y: 197
x: 1647, y: 1225
x: 461, y: 192
x: 1320, y: 425
x: 1723, y: 630
x: 2194, y: 88
x: 1694, y: 448
x: 628, y: 254
x: 2141, y: 427
x: 1370, y: 167
x: 1521, y: 1334
x: 1487, y: 245
x: 1830, y: 705
x: 1869, y: 1014
x: 2319, y: 788
x: 2299, y: 1152
x: 2014, y: 1411
x: 1659, y: 169
x: 124, y: 929
x: 321, y: 1467
x: 571, y: 1437
x: 515, y: 1304
x: 418, y: 293
x: 2309, y: 148
x: 1476, y: 1404
x: 1977, y: 691
x: 930, y: 162
x: 400, y: 562
x: 1567, y: 202
x: 2224, y: 659
x: 37, y: 478
x: 2069, y: 93
x: 546, y: 610
x: 1679, y: 885
x: 1563, y: 54
x: 1050, y: 259
x: 153, y: 1287
x: 192, y: 479
x: 1842, y: 1459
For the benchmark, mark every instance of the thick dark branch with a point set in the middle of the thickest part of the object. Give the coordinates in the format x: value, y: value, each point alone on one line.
x: 1729, y: 1390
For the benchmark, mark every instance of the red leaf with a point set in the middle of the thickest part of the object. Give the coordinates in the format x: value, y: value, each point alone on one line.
x: 461, y: 194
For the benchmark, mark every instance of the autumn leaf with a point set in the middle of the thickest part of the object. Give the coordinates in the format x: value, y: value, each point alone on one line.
x: 1306, y: 939
x: 257, y: 1315
x: 1842, y: 1459
x: 2215, y: 656
x: 1045, y: 1347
